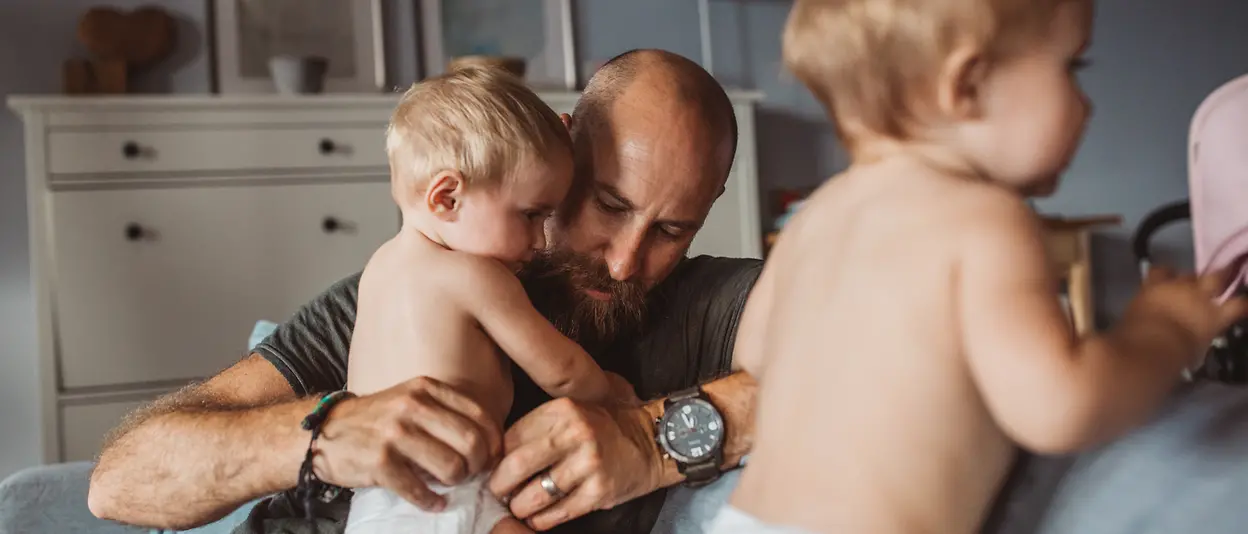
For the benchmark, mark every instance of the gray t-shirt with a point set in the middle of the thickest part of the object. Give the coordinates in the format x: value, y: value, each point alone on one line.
x: 687, y: 339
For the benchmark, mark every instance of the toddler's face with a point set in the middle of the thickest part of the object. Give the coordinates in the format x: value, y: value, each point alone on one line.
x: 506, y: 221
x: 1035, y: 108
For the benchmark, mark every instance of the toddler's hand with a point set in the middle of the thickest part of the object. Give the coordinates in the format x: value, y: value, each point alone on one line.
x: 621, y: 392
x: 1189, y: 303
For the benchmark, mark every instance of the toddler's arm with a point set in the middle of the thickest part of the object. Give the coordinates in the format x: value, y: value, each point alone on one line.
x: 557, y: 364
x: 1048, y: 390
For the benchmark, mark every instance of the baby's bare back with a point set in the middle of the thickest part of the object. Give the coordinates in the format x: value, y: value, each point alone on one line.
x: 410, y: 322
x: 868, y: 418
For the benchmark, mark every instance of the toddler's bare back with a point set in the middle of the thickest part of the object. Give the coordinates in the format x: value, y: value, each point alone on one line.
x: 868, y: 418
x: 412, y: 321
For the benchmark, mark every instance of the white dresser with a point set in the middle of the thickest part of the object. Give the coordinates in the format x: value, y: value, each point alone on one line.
x: 163, y: 228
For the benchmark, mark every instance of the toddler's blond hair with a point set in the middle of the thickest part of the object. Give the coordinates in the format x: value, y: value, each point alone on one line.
x: 866, y: 60
x: 482, y: 122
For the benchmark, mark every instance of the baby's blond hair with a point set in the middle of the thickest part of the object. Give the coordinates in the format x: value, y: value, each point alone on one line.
x: 482, y: 122
x: 865, y: 60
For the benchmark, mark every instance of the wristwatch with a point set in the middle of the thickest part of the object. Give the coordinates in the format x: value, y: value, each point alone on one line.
x: 691, y: 432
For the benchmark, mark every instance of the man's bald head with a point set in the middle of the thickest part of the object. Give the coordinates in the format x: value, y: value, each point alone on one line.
x: 653, y: 139
x: 664, y: 80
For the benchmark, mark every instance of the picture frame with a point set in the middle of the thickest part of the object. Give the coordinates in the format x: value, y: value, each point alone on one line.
x: 549, y: 66
x: 347, y: 32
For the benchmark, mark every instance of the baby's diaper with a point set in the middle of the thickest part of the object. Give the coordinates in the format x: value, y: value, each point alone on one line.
x: 730, y: 520
x: 470, y: 509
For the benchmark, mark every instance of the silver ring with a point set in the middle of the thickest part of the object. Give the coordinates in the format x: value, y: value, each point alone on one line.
x: 548, y: 484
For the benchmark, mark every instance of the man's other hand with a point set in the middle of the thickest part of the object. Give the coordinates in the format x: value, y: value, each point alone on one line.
x: 404, y: 437
x: 596, y: 456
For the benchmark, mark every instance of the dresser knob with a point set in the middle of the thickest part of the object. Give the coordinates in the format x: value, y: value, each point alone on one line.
x: 130, y: 150
x: 134, y: 232
x: 330, y: 225
x: 327, y: 146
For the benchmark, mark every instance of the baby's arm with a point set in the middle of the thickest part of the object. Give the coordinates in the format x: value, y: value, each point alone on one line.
x: 1050, y: 391
x: 555, y: 363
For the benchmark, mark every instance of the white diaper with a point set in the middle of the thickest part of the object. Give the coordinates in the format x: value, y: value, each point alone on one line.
x: 470, y: 509
x: 730, y: 520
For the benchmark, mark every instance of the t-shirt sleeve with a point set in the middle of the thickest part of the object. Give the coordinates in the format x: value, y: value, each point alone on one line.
x: 310, y: 349
x: 691, y: 340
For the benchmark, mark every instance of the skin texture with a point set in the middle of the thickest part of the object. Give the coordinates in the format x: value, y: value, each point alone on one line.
x: 198, y: 454
x: 864, y: 430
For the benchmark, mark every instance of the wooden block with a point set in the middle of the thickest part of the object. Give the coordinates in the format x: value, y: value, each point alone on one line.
x: 76, y: 77
x: 100, y: 76
x: 109, y: 75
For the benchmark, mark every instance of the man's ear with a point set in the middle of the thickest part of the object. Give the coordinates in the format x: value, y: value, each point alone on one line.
x: 959, y: 87
x: 567, y: 121
x: 445, y: 195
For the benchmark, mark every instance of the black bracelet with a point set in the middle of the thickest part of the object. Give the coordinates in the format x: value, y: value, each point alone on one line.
x: 310, y: 486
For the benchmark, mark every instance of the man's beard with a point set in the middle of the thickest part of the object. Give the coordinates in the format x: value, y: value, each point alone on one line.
x: 556, y: 280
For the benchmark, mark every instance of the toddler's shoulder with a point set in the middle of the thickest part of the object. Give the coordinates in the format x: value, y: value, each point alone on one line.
x: 475, y: 276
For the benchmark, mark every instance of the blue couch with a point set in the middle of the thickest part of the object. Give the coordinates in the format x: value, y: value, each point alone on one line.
x: 1184, y: 473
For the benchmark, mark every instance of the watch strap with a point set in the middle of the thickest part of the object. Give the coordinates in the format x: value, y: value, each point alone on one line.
x: 684, y: 394
x: 701, y: 473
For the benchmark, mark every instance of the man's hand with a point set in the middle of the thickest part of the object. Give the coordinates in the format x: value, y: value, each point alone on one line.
x: 400, y: 437
x: 598, y: 457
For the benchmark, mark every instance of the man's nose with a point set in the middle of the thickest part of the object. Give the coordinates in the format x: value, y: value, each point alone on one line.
x: 624, y: 255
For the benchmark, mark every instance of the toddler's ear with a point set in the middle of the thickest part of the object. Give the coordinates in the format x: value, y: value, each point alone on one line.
x: 567, y: 121
x: 959, y: 86
x: 445, y: 195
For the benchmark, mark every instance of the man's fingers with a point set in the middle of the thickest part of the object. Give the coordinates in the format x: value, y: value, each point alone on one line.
x: 521, y: 464
x: 580, y: 502
x: 461, y: 434
x: 403, y: 479
x: 430, y: 454
x: 468, y: 409
x: 533, y: 498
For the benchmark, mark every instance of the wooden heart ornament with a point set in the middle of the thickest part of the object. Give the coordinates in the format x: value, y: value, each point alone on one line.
x: 140, y: 37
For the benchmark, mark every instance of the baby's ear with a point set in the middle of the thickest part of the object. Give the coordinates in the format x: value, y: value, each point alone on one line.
x: 959, y: 86
x: 445, y: 195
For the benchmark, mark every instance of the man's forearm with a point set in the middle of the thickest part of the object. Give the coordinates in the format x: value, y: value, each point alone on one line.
x: 192, y: 466
x: 733, y: 396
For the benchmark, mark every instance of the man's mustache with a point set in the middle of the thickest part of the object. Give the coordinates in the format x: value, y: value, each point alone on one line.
x: 556, y: 281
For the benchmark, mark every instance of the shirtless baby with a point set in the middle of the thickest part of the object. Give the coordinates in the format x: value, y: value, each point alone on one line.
x: 906, y: 331
x: 477, y: 163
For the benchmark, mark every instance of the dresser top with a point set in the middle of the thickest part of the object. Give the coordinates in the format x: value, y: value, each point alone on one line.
x: 28, y: 103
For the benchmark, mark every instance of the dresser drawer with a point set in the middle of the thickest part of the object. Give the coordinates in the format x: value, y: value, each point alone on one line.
x: 85, y: 426
x: 121, y: 151
x: 165, y: 284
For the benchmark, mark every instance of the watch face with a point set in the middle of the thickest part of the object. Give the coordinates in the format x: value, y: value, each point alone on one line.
x: 691, y: 430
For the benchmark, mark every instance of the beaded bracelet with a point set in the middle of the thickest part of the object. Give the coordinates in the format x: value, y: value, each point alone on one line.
x: 310, y: 486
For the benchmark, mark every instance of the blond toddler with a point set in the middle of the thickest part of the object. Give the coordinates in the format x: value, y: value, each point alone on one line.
x: 906, y: 330
x: 477, y: 163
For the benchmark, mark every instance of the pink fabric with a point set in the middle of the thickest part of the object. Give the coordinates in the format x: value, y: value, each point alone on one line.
x: 1232, y: 253
x: 1218, y: 179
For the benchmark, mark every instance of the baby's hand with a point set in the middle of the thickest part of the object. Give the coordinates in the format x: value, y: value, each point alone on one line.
x: 1189, y: 303
x: 621, y: 393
